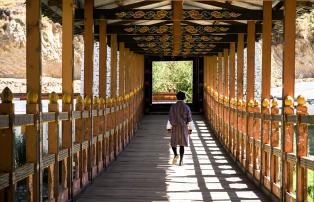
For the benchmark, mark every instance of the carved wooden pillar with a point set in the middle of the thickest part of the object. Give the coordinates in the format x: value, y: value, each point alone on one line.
x: 33, y: 82
x: 79, y: 138
x: 7, y: 144
x: 67, y: 90
x: 250, y: 89
x: 302, y: 149
x: 266, y: 79
x: 121, y: 94
x: 274, y: 173
x: 231, y: 78
x: 220, y: 94
x: 103, y: 84
x: 288, y: 92
x: 240, y: 62
x: 113, y: 92
x: 225, y: 122
x: 88, y: 78
x: 53, y: 148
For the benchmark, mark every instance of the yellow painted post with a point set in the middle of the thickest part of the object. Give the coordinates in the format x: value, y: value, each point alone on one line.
x: 7, y: 144
x: 53, y: 148
x: 79, y: 138
x: 302, y: 150
x: 266, y: 79
x: 288, y: 94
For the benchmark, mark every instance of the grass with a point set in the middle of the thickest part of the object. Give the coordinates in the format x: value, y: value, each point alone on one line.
x: 310, y: 185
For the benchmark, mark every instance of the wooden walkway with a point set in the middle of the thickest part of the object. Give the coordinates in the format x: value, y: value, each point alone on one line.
x: 143, y: 172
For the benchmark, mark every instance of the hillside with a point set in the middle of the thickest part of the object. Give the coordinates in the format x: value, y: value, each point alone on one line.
x: 13, y: 42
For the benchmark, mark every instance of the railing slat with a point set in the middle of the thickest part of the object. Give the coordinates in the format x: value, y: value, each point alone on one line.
x: 309, y: 119
x: 23, y: 172
x: 23, y: 119
x: 4, y: 180
x: 4, y: 121
x: 307, y: 162
x: 63, y: 154
x: 48, y: 160
x: 63, y: 116
x: 48, y: 116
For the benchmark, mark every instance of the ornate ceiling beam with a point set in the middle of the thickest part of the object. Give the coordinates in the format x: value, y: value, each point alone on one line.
x: 188, y: 29
x: 190, y: 38
x: 162, y: 14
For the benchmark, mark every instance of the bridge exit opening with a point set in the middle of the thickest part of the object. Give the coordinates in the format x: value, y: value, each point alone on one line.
x: 170, y: 77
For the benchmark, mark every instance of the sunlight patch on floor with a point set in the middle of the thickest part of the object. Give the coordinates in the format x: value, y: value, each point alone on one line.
x: 206, y: 173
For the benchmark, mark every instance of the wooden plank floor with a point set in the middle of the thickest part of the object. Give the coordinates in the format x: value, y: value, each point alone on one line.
x: 143, y: 172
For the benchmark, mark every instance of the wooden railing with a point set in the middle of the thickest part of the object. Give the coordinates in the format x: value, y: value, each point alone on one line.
x: 93, y: 135
x: 164, y: 97
x: 268, y: 144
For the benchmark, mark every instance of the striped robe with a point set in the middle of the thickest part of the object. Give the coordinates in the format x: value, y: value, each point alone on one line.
x: 179, y: 118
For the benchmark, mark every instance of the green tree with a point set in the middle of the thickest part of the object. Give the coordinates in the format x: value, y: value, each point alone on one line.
x: 173, y: 76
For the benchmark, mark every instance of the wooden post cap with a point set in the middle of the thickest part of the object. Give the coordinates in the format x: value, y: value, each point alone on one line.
x: 79, y: 100
x: 289, y: 101
x: 32, y: 97
x: 301, y: 100
x: 256, y: 103
x: 6, y: 95
x: 265, y: 103
x: 250, y: 103
x: 66, y: 99
x: 87, y: 100
x: 53, y: 98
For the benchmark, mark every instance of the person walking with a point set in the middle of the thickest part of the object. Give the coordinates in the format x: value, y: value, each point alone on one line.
x: 180, y: 125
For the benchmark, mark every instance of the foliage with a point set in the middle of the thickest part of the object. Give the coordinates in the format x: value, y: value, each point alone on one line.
x: 173, y: 76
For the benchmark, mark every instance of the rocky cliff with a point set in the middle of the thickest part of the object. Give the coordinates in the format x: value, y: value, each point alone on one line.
x: 13, y: 44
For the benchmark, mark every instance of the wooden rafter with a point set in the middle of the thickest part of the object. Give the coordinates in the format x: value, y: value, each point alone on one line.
x: 176, y: 30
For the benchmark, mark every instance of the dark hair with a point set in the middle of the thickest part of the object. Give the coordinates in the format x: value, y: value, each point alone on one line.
x: 180, y: 95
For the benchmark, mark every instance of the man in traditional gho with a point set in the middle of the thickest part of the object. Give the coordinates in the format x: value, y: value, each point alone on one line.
x: 180, y: 124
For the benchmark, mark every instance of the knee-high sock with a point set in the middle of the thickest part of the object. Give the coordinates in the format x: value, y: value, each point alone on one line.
x: 181, y: 152
x: 174, y: 149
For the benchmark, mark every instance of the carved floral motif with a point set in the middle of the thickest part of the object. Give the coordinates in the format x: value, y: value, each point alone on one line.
x: 147, y: 15
x: 206, y: 14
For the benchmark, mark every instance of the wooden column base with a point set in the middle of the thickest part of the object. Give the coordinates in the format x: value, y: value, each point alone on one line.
x: 85, y: 180
x: 267, y: 182
x: 94, y: 171
x: 76, y: 186
x: 63, y: 195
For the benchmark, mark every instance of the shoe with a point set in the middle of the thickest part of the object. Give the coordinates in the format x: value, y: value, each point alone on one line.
x: 175, y: 159
x: 181, y: 163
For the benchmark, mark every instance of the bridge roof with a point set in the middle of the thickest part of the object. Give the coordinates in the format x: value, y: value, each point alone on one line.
x: 171, y: 28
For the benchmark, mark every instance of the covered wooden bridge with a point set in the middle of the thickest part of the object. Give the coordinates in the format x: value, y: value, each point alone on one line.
x: 243, y: 148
